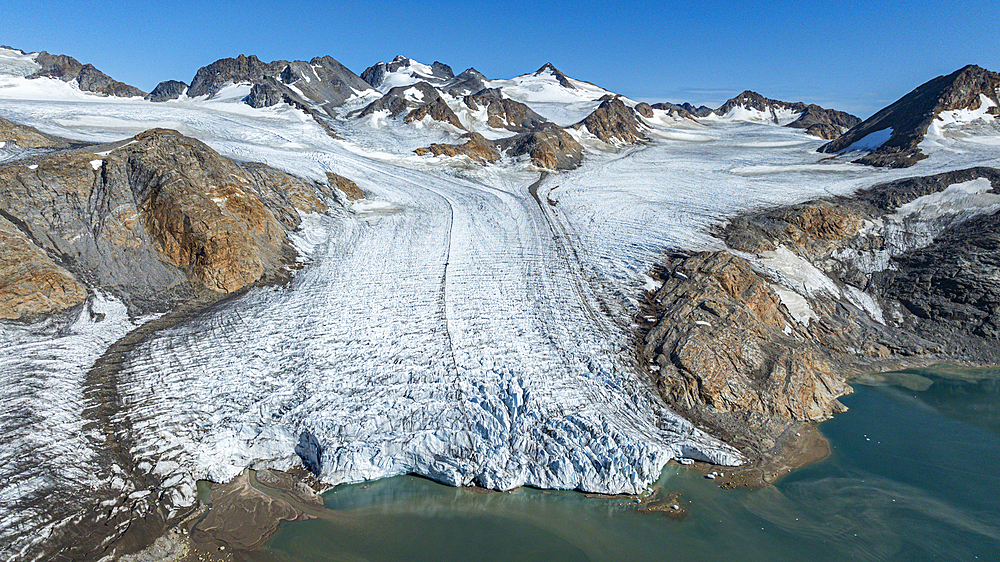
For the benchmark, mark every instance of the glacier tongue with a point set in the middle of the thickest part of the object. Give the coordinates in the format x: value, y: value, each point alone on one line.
x: 450, y: 339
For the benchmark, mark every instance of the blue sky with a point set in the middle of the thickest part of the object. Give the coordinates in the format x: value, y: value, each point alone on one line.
x: 854, y: 56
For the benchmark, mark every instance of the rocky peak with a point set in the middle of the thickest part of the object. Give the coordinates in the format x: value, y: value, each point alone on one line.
x: 322, y: 81
x: 167, y: 90
x: 559, y: 76
x: 750, y: 100
x: 684, y: 109
x: 825, y: 123
x: 469, y: 81
x: 212, y: 78
x: 87, y: 77
x: 909, y: 117
x: 614, y: 123
x: 417, y: 101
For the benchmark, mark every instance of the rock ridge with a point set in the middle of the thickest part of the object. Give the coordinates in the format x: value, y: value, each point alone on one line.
x: 909, y: 117
x: 750, y: 341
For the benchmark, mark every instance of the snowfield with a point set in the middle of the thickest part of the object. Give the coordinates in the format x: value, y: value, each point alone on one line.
x: 450, y: 325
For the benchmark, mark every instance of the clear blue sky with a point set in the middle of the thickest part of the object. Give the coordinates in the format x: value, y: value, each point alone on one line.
x: 855, y: 56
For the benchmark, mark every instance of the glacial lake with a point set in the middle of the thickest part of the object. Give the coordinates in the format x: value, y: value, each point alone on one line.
x: 913, y: 475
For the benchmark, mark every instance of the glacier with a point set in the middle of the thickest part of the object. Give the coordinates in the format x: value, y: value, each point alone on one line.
x: 470, y: 324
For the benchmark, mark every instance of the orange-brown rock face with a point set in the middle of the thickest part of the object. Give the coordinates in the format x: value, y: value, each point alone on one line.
x: 549, y: 147
x: 200, y: 211
x: 31, y: 284
x: 157, y: 219
x: 476, y: 147
x: 723, y: 342
x: 348, y: 187
x: 613, y: 122
x: 28, y: 137
x: 438, y: 110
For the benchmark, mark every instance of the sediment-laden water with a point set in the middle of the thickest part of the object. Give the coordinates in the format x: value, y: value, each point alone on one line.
x: 912, y: 476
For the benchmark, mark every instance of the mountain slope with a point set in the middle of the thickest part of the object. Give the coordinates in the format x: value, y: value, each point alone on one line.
x: 65, y: 68
x: 751, y: 106
x: 894, y: 133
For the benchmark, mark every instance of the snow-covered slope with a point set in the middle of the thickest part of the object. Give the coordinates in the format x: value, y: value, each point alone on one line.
x: 554, y: 95
x: 403, y: 71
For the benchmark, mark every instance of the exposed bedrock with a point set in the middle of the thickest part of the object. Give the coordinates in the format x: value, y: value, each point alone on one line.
x: 167, y: 90
x: 549, y: 147
x: 614, y: 123
x: 29, y: 137
x: 154, y: 221
x: 475, y: 147
x: 752, y: 341
x: 88, y: 78
x: 416, y: 101
x: 504, y: 113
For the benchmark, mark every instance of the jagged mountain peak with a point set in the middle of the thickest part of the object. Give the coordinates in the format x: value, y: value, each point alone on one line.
x: 551, y: 69
x: 402, y: 71
x: 893, y: 135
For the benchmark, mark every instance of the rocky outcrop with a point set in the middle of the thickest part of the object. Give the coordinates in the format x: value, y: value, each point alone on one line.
x: 346, y: 186
x: 31, y: 284
x: 87, y: 77
x: 317, y: 86
x: 265, y: 94
x: 614, y: 123
x: 158, y: 219
x: 437, y: 73
x: 905, y: 122
x: 438, y: 110
x: 644, y: 109
x: 322, y: 81
x: 476, y: 148
x: 684, y: 110
x: 549, y: 147
x: 167, y: 90
x: 562, y: 79
x: 752, y: 343
x: 29, y: 137
x: 754, y: 101
x: 725, y: 351
x: 504, y: 113
x: 417, y: 101
x: 824, y: 123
